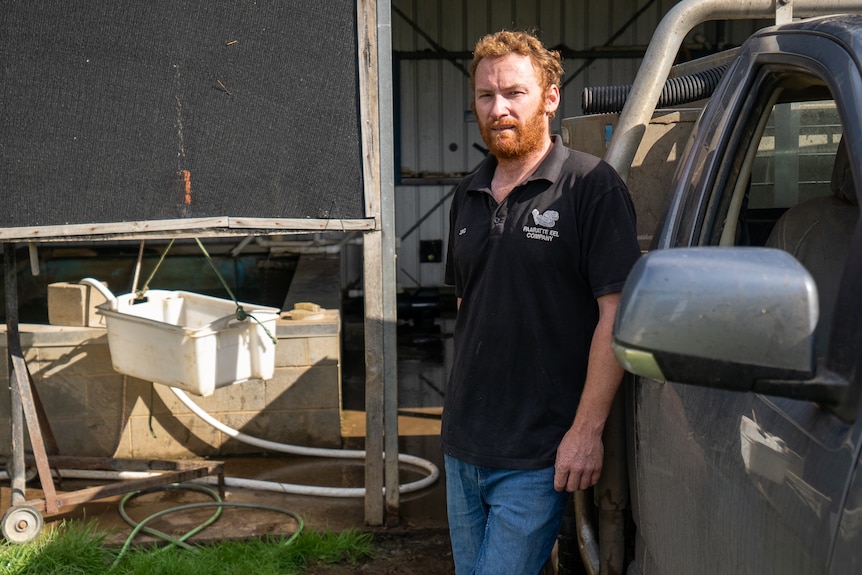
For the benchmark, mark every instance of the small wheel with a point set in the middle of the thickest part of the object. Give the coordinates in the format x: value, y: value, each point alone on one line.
x: 21, y: 524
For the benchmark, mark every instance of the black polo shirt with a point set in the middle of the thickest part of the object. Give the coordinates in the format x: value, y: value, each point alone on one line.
x: 529, y: 271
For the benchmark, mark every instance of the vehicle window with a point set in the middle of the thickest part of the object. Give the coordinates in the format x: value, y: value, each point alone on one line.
x: 790, y: 186
x: 789, y: 163
x: 793, y: 163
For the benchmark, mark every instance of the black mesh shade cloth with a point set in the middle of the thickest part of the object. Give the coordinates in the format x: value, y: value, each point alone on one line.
x: 164, y: 110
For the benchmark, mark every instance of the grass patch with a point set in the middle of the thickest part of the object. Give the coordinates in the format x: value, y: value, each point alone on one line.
x: 77, y: 548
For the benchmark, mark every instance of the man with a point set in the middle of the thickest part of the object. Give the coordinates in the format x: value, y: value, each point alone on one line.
x: 541, y: 240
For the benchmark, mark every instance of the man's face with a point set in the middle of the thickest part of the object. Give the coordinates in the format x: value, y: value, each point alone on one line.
x: 511, y: 106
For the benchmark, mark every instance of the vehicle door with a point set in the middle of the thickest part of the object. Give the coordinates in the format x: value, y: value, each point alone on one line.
x: 735, y: 482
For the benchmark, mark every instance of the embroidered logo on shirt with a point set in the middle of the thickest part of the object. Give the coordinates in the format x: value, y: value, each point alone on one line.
x: 462, y: 231
x: 544, y: 222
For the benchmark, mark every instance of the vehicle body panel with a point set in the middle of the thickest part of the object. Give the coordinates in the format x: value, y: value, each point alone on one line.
x: 728, y: 481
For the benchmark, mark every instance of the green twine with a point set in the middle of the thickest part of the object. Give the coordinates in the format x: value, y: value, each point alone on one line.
x: 241, y: 314
x: 140, y: 293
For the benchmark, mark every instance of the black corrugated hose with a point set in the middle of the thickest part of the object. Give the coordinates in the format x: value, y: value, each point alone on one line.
x: 676, y: 91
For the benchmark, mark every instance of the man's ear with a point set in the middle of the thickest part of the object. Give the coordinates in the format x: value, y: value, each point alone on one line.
x: 552, y: 100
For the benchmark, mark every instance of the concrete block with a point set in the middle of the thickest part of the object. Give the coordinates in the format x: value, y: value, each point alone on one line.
x: 291, y: 352
x: 141, y: 395
x: 307, y: 388
x: 247, y: 396
x: 74, y: 305
x: 254, y: 424
x: 172, y: 437
x: 308, y: 427
x: 87, y: 437
x: 85, y: 360
x: 324, y: 350
x: 64, y: 397
x: 106, y: 396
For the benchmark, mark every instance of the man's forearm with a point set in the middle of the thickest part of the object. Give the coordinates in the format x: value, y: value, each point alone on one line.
x: 604, y: 373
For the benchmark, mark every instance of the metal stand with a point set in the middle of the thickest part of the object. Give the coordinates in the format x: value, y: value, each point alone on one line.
x: 23, y: 521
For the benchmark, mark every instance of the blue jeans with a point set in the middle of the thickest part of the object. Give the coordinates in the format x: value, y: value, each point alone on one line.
x: 501, y: 521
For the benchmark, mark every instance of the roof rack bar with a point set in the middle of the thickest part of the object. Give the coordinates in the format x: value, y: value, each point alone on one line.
x: 665, y: 45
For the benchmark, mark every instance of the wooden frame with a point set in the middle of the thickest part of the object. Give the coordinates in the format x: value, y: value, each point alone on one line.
x: 379, y: 270
x: 192, y: 227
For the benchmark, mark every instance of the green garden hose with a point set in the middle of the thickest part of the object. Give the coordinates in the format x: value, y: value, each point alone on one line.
x: 218, y: 504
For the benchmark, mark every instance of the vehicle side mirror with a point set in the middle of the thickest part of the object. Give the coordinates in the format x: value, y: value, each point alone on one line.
x: 721, y: 317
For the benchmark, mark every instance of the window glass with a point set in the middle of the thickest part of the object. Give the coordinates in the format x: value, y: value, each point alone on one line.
x: 795, y: 155
x: 791, y: 163
x: 790, y: 187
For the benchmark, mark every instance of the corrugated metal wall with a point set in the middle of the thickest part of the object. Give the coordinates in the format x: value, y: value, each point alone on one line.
x: 435, y: 132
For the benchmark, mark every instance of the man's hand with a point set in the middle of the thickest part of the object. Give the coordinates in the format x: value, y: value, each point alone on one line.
x: 579, y: 461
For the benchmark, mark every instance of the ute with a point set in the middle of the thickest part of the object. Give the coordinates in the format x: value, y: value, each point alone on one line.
x: 735, y: 447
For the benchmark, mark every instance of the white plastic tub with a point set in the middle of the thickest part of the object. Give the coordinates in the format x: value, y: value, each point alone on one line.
x: 190, y: 341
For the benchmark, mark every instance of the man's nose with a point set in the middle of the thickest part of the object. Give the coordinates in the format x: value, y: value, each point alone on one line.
x: 499, y: 107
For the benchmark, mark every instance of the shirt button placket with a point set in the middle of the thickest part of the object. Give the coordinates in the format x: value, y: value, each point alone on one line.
x: 499, y: 219
x: 497, y: 225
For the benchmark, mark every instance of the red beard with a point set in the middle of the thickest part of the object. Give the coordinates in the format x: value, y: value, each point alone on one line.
x: 518, y: 143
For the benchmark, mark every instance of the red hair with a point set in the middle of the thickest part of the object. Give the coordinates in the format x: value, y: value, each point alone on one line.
x: 548, y: 64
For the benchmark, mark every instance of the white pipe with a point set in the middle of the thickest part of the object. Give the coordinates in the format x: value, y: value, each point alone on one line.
x: 236, y: 482
x: 34, y: 258
x: 311, y: 248
x: 241, y: 246
x: 307, y: 247
x: 290, y: 488
x: 433, y: 471
x: 101, y: 288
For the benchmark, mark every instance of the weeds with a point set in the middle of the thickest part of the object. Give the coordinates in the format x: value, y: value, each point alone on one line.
x: 77, y: 548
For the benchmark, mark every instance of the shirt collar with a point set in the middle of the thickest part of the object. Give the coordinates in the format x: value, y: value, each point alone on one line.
x: 549, y: 169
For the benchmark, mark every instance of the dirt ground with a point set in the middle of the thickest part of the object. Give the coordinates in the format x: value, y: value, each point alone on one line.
x: 401, y: 552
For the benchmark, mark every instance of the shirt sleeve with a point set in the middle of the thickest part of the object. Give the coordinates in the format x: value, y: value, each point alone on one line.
x: 610, y: 234
x: 449, y: 273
